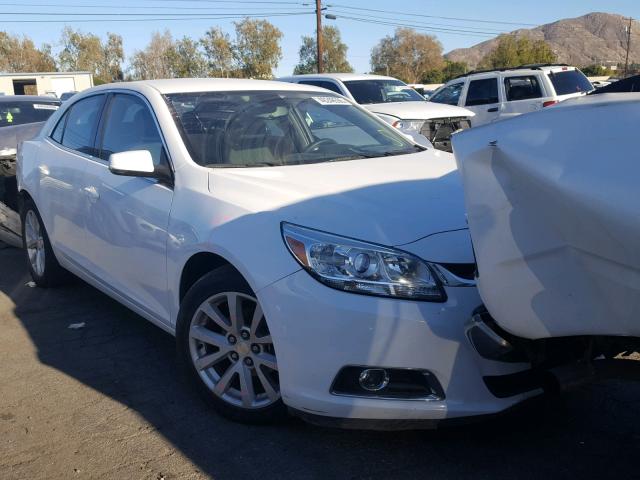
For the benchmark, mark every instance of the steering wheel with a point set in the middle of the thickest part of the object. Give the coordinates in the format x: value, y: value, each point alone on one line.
x: 315, y: 146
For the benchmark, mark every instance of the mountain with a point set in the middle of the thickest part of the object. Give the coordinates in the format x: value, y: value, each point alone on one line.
x: 592, y: 38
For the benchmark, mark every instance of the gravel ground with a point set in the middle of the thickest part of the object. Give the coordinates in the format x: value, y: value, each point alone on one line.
x: 106, y: 401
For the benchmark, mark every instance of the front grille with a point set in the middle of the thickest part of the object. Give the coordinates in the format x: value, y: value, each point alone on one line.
x: 439, y: 130
x: 462, y: 270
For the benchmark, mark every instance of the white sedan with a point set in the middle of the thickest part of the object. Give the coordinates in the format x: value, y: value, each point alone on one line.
x: 302, y: 251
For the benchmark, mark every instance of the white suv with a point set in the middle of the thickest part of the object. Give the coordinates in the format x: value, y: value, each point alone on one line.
x: 497, y: 94
x: 396, y: 103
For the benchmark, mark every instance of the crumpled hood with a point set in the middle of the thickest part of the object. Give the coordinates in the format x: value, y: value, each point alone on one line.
x: 418, y: 110
x: 387, y: 200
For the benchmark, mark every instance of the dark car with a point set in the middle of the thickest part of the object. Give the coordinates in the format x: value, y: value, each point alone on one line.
x: 631, y: 84
x: 21, y: 118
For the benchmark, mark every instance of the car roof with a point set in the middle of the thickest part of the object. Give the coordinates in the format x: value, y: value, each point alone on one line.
x: 530, y: 68
x: 192, y: 85
x: 27, y: 98
x: 339, y: 76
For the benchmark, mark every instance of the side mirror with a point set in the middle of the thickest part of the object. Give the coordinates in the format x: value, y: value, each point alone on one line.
x: 134, y: 163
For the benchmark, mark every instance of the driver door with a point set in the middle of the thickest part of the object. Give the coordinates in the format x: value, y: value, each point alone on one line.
x: 128, y: 216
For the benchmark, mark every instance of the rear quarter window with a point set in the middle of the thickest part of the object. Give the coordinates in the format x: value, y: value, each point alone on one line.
x: 569, y: 81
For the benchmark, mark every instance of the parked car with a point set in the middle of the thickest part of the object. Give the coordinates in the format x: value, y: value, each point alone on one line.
x: 21, y: 118
x: 497, y: 94
x: 304, y: 253
x: 626, y: 85
x: 553, y: 212
x: 396, y: 103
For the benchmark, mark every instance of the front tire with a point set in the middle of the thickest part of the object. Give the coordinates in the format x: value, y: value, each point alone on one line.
x: 225, y: 347
x: 43, y: 265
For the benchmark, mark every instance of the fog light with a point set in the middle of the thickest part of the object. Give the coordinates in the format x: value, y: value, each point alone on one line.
x: 373, y: 379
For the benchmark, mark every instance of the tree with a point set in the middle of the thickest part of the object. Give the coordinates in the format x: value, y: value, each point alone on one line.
x: 453, y: 69
x: 597, y: 71
x: 408, y: 55
x: 113, y: 58
x: 156, y: 60
x: 85, y: 51
x: 334, y: 54
x: 19, y: 54
x: 512, y: 51
x: 188, y: 59
x: 257, y: 48
x: 218, y: 52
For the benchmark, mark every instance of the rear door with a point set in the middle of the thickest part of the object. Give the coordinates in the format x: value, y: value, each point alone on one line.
x: 63, y: 158
x: 127, y: 217
x: 483, y: 99
x: 522, y: 94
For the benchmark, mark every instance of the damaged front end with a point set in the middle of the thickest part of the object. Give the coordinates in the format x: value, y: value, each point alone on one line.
x: 556, y: 363
x: 439, y: 130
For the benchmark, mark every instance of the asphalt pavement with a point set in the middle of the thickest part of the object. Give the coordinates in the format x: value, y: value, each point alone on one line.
x: 106, y: 401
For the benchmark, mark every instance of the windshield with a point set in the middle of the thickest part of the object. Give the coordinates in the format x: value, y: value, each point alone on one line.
x: 382, y: 91
x: 20, y: 112
x: 570, y: 81
x: 268, y: 128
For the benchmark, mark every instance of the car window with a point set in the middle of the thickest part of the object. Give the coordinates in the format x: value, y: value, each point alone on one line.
x: 522, y: 88
x: 80, y: 129
x: 129, y: 125
x: 448, y: 95
x: 57, y: 132
x: 322, y: 84
x: 21, y: 112
x: 570, y: 81
x: 482, y: 92
x: 270, y: 128
x: 382, y: 91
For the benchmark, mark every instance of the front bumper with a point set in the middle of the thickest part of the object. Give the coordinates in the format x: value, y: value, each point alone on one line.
x: 318, y: 330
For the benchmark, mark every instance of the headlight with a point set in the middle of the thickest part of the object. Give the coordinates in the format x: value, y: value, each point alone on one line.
x: 360, y: 267
x: 413, y: 125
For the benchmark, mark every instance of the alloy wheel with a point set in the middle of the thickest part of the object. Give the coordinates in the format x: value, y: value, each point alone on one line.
x: 34, y: 241
x: 232, y: 351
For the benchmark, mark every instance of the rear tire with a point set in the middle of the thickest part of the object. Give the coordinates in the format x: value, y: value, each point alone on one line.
x: 43, y: 265
x: 225, y: 349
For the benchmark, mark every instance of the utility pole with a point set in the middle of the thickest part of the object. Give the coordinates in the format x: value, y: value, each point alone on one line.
x: 319, y: 33
x: 626, y: 61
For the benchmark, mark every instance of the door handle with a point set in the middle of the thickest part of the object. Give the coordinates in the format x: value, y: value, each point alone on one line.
x: 91, y: 192
x: 494, y: 109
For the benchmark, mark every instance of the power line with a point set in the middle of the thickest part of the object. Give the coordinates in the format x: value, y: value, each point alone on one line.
x: 420, y: 27
x: 376, y: 17
x: 434, y: 16
x: 127, y: 14
x: 145, y: 7
x: 221, y: 17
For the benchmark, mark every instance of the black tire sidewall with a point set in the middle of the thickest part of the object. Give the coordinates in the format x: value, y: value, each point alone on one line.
x: 223, y: 279
x: 53, y: 274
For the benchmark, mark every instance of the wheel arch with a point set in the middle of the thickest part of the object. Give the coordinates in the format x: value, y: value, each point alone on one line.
x: 197, y: 266
x: 23, y: 195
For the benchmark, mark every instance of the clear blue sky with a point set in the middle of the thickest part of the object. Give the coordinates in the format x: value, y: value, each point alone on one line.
x: 359, y: 36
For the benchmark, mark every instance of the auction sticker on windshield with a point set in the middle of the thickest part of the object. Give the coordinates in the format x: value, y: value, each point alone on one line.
x: 331, y: 101
x: 40, y: 106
